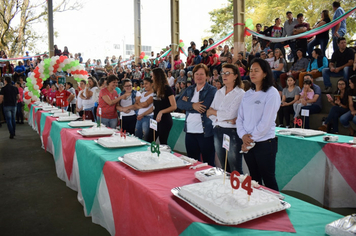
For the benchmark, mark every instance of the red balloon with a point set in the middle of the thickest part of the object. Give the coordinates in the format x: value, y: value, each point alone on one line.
x: 141, y: 56
x: 247, y: 33
x: 180, y: 41
x: 27, y: 97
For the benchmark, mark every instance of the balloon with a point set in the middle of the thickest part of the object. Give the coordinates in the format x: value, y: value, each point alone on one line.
x: 247, y: 33
x: 180, y: 41
x: 145, y: 57
x: 181, y: 44
x: 143, y: 53
x: 141, y: 56
x: 248, y: 22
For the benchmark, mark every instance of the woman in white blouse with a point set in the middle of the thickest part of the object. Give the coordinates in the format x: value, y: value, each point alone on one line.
x: 223, y: 113
x: 256, y: 124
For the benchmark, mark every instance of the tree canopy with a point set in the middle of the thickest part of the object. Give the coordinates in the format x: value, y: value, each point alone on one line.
x: 16, y: 21
x: 266, y: 11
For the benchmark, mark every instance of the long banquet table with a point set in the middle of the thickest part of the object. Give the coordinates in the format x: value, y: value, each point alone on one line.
x: 127, y: 202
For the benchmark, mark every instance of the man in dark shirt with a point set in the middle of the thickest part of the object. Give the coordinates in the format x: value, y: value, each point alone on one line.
x: 340, y: 64
x: 301, y: 27
x: 9, y: 96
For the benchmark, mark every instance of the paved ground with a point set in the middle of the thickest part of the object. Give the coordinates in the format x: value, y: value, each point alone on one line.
x: 33, y: 201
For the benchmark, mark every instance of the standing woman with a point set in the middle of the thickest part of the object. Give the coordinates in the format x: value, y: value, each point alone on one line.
x: 164, y: 103
x: 88, y: 98
x: 223, y: 113
x: 145, y: 112
x: 196, y: 100
x: 73, y: 102
x: 321, y: 39
x: 79, y: 105
x: 351, y: 114
x: 108, y: 98
x: 256, y: 124
x: 127, y: 106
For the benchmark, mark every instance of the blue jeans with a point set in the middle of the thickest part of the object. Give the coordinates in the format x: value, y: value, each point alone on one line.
x: 345, y: 118
x: 327, y: 74
x: 10, y: 114
x: 276, y: 74
x: 313, y: 109
x: 19, y: 114
x: 333, y: 117
x: 234, y: 157
x: 112, y: 123
x: 197, y: 144
x: 335, y: 46
x: 323, y: 42
x: 142, y: 129
x: 261, y: 162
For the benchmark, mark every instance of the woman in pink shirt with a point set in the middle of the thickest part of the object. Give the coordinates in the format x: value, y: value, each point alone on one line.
x: 19, y: 113
x: 51, y: 95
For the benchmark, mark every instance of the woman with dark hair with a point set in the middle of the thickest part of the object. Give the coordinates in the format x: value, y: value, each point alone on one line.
x: 79, y: 105
x: 63, y: 97
x: 211, y: 41
x: 164, y: 103
x: 300, y: 64
x: 321, y: 39
x: 127, y: 108
x: 225, y: 54
x: 73, y: 102
x: 7, y: 69
x: 290, y: 95
x: 340, y: 104
x: 351, y: 114
x: 176, y: 66
x: 196, y: 100
x: 145, y: 112
x: 256, y: 124
x: 19, y: 106
x: 278, y: 64
x: 315, y: 66
x: 89, y: 97
x: 108, y: 98
x: 223, y: 113
x: 205, y: 45
x: 65, y: 51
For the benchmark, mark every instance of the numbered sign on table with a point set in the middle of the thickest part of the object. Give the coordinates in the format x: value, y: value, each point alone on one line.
x: 305, y: 112
x: 153, y: 124
x: 99, y: 111
x: 226, y: 142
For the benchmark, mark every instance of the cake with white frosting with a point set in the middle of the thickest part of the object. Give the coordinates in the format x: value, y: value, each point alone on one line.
x: 97, y: 131
x: 118, y: 141
x: 233, y: 207
x: 146, y: 160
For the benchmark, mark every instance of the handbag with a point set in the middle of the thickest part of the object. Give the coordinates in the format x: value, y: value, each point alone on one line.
x: 89, y: 115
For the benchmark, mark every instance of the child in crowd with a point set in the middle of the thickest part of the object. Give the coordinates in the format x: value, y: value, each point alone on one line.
x: 136, y: 87
x: 247, y: 85
x: 241, y: 69
x: 190, y: 76
x: 270, y: 58
x: 307, y: 93
x: 214, y: 77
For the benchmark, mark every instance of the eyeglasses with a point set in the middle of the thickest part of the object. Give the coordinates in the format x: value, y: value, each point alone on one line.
x: 342, y: 84
x: 227, y: 73
x: 127, y: 86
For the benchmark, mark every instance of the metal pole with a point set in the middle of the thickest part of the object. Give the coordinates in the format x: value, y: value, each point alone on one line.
x: 50, y: 28
x: 239, y: 30
x: 137, y: 26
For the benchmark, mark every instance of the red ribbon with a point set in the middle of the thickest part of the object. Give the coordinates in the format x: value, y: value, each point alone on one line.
x: 239, y: 24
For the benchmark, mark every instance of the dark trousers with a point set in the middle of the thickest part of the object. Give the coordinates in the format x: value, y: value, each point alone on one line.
x: 19, y: 113
x: 163, y: 128
x: 261, y: 162
x: 284, y: 113
x: 72, y: 108
x: 129, y: 123
x: 333, y: 117
x: 313, y: 109
x: 197, y: 144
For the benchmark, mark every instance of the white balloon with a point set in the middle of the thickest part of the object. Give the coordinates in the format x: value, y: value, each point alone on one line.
x: 36, y: 87
x: 30, y: 94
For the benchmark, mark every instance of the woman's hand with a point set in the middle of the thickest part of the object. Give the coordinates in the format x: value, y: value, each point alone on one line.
x: 159, y: 117
x: 139, y: 117
x: 337, y: 102
x: 244, y: 148
x: 246, y: 139
x: 199, y: 107
x: 331, y: 100
x: 210, y: 112
x: 353, y: 112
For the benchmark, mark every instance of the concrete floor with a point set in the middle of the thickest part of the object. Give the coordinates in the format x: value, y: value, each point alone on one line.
x: 33, y: 201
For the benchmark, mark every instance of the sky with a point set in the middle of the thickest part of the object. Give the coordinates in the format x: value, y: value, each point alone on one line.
x: 99, y: 25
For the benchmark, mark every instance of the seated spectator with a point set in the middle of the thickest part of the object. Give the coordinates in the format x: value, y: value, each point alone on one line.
x: 190, y: 76
x: 270, y: 58
x: 241, y: 69
x: 256, y: 47
x: 218, y: 84
x: 340, y: 104
x: 205, y: 45
x: 190, y: 59
x: 65, y: 51
x: 351, y: 114
x: 225, y: 54
x: 19, y: 72
x: 215, y: 62
x: 340, y: 64
x: 57, y: 52
x: 299, y: 65
x: 99, y: 69
x: 246, y: 85
x: 170, y: 79
x: 315, y: 106
x: 181, y: 77
x: 205, y: 59
x: 263, y: 55
x: 290, y: 95
x: 136, y: 87
x: 180, y: 88
x: 321, y: 39
x: 278, y: 64
x: 317, y: 63
x: 307, y: 94
x: 8, y: 69
x: 108, y: 67
x: 215, y: 76
x: 240, y: 58
x: 196, y: 60
x: 176, y: 67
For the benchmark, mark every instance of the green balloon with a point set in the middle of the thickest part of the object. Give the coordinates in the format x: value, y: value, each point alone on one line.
x: 248, y: 22
x: 181, y: 44
x: 145, y: 57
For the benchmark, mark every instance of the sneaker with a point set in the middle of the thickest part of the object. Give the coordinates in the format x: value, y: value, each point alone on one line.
x: 11, y: 136
x: 327, y: 90
x: 322, y: 128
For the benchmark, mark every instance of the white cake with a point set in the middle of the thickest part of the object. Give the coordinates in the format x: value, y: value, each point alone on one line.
x: 68, y: 118
x: 118, y: 141
x: 305, y: 132
x: 218, y: 200
x: 82, y: 123
x: 60, y: 114
x: 97, y: 131
x: 147, y: 161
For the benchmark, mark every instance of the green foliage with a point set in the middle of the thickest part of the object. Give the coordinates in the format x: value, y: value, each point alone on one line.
x: 266, y: 11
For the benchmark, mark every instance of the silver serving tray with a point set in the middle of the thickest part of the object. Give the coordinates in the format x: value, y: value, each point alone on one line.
x: 185, y: 163
x: 176, y: 191
x: 136, y: 145
x: 92, y: 135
